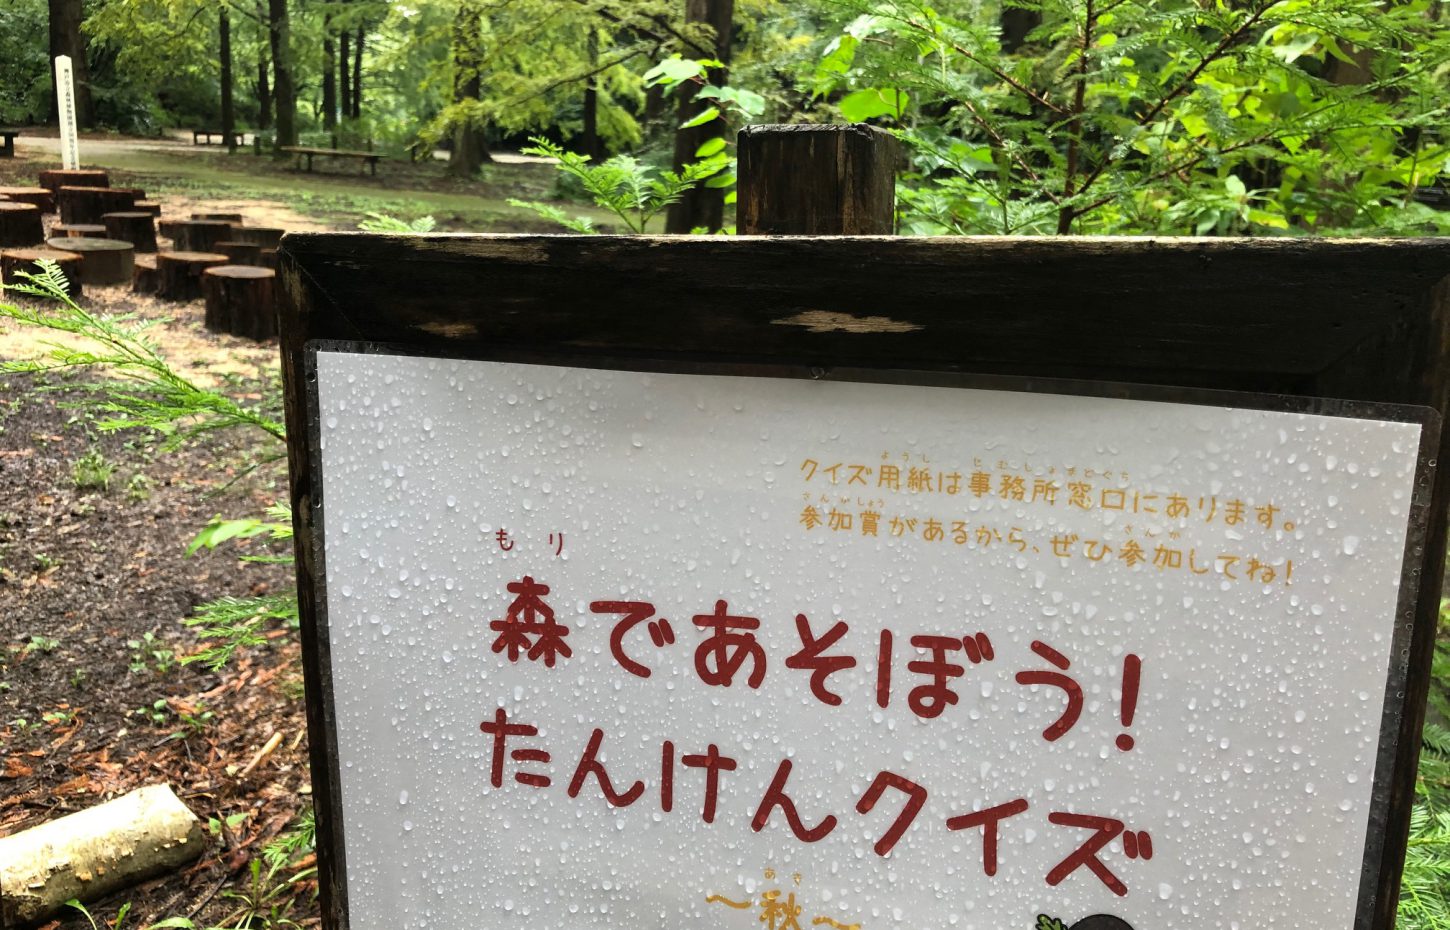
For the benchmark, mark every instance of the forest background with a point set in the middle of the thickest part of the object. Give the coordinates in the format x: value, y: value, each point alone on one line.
x: 1265, y: 117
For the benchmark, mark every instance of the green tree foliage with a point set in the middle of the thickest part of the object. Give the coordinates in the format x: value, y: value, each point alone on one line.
x: 24, y: 61
x: 531, y: 60
x: 1156, y: 116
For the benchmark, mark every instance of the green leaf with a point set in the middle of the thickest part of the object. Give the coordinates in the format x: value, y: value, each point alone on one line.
x: 219, y: 531
x: 703, y: 117
x: 710, y: 147
x: 872, y: 102
x: 676, y: 70
x: 1296, y: 46
x: 1265, y: 218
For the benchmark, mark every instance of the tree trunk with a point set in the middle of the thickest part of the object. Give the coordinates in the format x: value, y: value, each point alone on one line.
x: 264, y: 85
x: 329, y: 82
x: 344, y: 71
x: 357, y: 53
x: 470, y: 150
x: 1016, y: 23
x: 283, y: 89
x: 590, y: 144
x: 66, y: 38
x: 702, y: 207
x: 229, y: 110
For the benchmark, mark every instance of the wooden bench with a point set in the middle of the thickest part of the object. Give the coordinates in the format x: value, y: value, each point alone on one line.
x: 203, y: 136
x: 304, y: 152
x: 7, y: 149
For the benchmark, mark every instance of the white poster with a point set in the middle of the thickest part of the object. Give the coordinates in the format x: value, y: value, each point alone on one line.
x: 620, y: 651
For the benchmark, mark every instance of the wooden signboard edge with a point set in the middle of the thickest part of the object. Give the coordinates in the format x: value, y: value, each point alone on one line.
x: 1407, y: 358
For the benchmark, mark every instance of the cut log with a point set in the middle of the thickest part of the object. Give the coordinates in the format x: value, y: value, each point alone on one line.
x: 136, y: 192
x: 91, y: 230
x: 150, y: 206
x: 241, y: 300
x: 89, y: 854
x: 241, y: 253
x: 20, y: 224
x: 200, y: 235
x: 39, y: 196
x: 103, y: 261
x: 265, y: 236
x: 17, y: 260
x: 269, y: 259
x: 136, y: 227
x: 236, y: 219
x: 83, y: 177
x: 89, y: 204
x: 168, y: 228
x: 144, y: 279
x: 179, y: 273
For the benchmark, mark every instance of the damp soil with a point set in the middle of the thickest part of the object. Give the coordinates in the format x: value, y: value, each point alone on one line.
x: 96, y: 698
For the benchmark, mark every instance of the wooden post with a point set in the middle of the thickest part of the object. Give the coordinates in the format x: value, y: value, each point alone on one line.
x: 200, y: 235
x: 103, y: 261
x: 17, y: 260
x: 20, y: 224
x: 89, y: 204
x: 56, y: 178
x: 817, y: 181
x: 240, y: 253
x: 39, y: 196
x: 179, y: 273
x: 241, y: 300
x: 137, y: 227
x: 267, y: 237
x: 144, y: 278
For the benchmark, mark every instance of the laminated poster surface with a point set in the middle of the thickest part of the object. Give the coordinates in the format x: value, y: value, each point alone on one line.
x: 617, y: 650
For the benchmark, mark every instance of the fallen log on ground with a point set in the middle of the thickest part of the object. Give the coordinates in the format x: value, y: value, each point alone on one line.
x: 89, y: 854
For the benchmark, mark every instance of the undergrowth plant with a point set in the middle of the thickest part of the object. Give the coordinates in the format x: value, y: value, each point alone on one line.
x: 633, y: 191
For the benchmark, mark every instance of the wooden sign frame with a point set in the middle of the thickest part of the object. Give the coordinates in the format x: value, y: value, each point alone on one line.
x: 1349, y: 320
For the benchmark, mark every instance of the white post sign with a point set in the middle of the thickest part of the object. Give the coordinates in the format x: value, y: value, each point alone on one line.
x: 620, y: 650
x: 65, y: 98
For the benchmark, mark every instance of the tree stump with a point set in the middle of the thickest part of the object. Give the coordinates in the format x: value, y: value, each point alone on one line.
x: 269, y: 259
x: 39, y: 196
x: 265, y: 236
x: 168, y: 228
x: 89, y: 230
x: 84, y: 177
x: 103, y: 261
x: 200, y: 235
x: 179, y: 273
x: 16, y: 260
x: 138, y: 193
x: 241, y: 253
x: 150, y: 206
x: 236, y: 219
x: 136, y: 227
x: 144, y: 278
x: 89, y: 204
x: 241, y: 300
x: 20, y: 224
